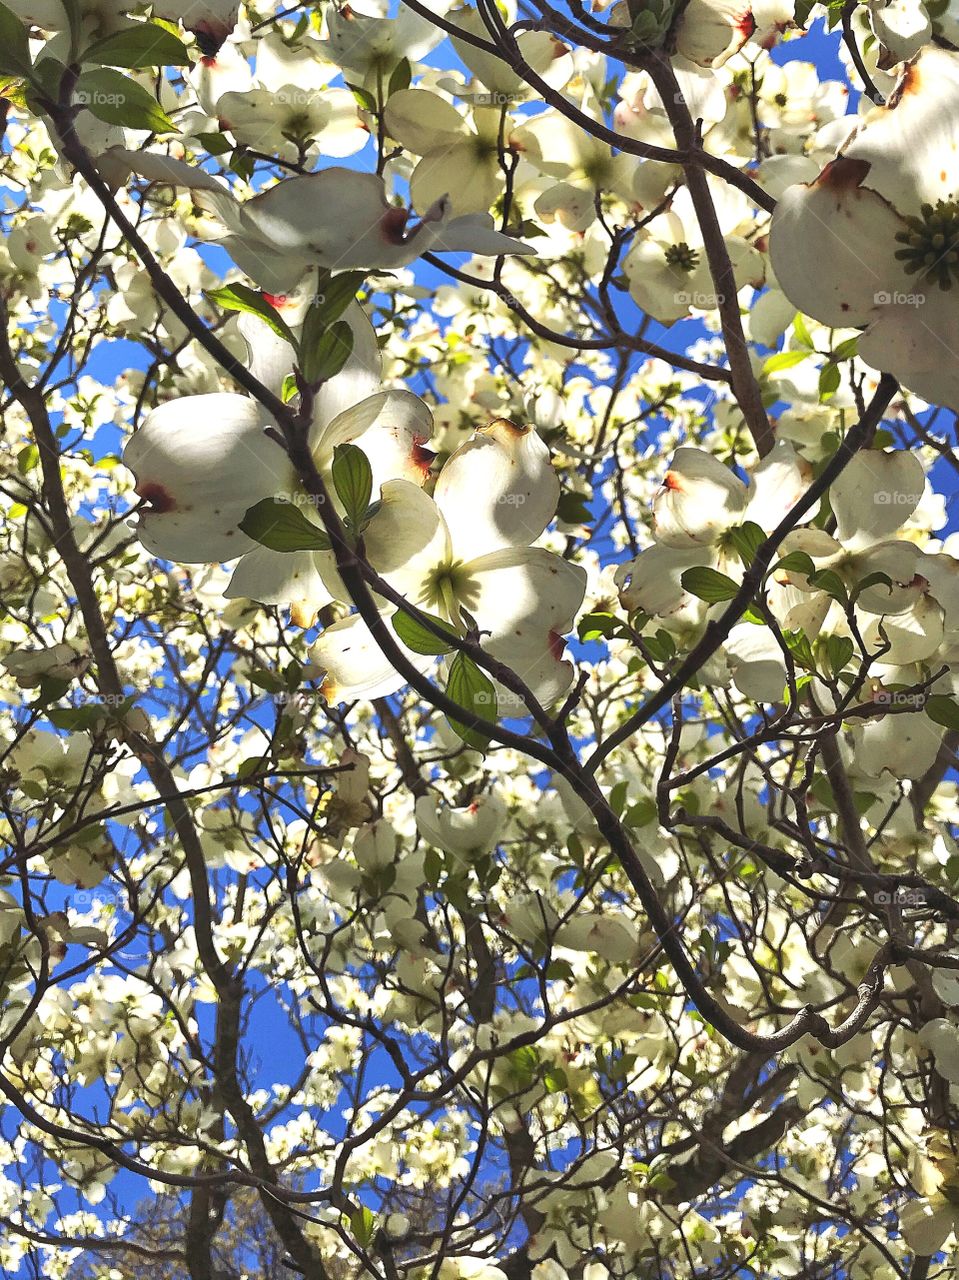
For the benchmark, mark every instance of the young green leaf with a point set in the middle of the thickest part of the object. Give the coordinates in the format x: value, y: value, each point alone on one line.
x: 943, y: 710
x: 240, y: 297
x: 281, y: 526
x: 747, y: 539
x: 416, y: 637
x: 324, y: 350
x: 14, y: 45
x: 472, y: 689
x: 116, y: 99
x: 145, y: 45
x: 353, y: 481
x: 708, y: 584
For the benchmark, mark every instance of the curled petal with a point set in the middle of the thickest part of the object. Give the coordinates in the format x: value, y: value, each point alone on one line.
x: 354, y: 663
x: 699, y: 499
x: 497, y: 490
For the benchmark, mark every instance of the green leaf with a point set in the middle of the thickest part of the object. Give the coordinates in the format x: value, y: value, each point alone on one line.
x: 802, y: 334
x: 800, y: 648
x: 116, y: 99
x: 830, y: 582
x: 871, y: 580
x: 829, y: 380
x: 784, y: 360
x: 14, y: 45
x: 363, y: 1225
x: 943, y: 710
x: 598, y: 626
x: 323, y: 350
x: 282, y: 526
x: 145, y: 45
x: 837, y: 651
x: 572, y: 508
x: 353, y: 481
x: 240, y: 297
x: 747, y: 539
x: 416, y: 637
x: 401, y: 77
x: 471, y: 689
x: 364, y: 98
x: 335, y: 295
x: 796, y: 562
x: 708, y: 584
x: 846, y: 350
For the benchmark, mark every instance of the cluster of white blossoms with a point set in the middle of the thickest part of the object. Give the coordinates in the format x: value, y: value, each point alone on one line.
x: 354, y: 358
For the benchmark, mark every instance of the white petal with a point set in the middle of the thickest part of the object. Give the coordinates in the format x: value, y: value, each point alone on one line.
x: 652, y: 581
x: 527, y: 598
x: 420, y: 121
x: 904, y: 745
x: 474, y: 233
x: 277, y: 577
x: 915, y: 338
x: 464, y: 832
x: 497, y: 490
x: 757, y: 663
x: 354, y: 663
x: 776, y: 485
x: 699, y: 499
x: 910, y: 144
x: 926, y: 1224
x: 832, y: 246
x: 913, y: 635
x: 202, y: 461
x: 357, y: 380
x: 392, y: 428
x: 876, y: 492
x: 407, y: 539
x: 472, y: 181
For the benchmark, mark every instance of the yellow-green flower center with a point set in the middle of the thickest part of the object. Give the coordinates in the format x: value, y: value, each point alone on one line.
x: 681, y: 256
x: 931, y: 245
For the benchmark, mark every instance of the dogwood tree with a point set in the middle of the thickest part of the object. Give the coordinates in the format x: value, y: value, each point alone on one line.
x: 479, y: 639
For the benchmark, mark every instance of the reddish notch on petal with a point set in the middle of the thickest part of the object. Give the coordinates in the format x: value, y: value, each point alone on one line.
x: 157, y: 499
x: 393, y: 225
x: 557, y: 645
x: 845, y: 173
x: 422, y: 457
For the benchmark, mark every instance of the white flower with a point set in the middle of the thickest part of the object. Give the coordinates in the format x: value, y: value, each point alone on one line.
x: 465, y: 833
x: 202, y: 461
x: 468, y: 548
x: 457, y: 157
x: 667, y: 267
x: 873, y: 242
x: 277, y: 236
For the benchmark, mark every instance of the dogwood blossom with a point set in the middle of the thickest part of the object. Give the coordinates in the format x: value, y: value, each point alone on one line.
x: 871, y: 243
x: 275, y: 237
x: 195, y: 446
x: 466, y: 551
